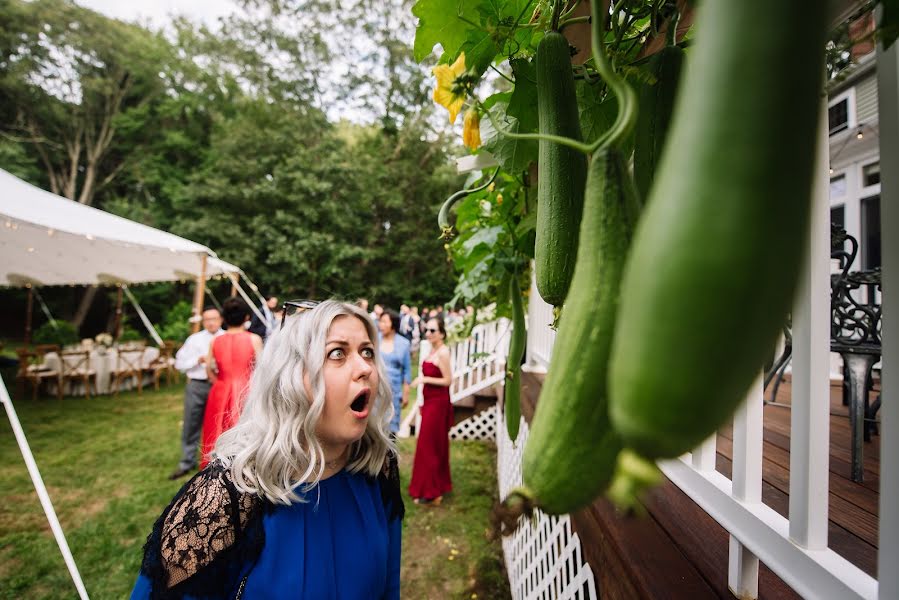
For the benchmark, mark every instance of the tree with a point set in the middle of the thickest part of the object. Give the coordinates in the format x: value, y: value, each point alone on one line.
x: 73, y: 77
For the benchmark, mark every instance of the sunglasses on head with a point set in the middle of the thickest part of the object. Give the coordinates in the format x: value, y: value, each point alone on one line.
x: 294, y: 307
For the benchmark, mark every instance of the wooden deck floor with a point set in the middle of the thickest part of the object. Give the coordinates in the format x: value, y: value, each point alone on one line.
x: 678, y: 551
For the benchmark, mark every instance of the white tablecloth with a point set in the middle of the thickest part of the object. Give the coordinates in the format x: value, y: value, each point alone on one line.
x: 104, y: 364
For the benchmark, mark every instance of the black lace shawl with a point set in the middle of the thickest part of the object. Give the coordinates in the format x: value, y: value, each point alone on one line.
x: 206, y: 541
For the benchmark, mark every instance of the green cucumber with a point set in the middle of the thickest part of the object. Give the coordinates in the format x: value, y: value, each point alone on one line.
x: 562, y: 171
x: 512, y: 395
x: 656, y: 101
x: 571, y: 452
x: 717, y: 255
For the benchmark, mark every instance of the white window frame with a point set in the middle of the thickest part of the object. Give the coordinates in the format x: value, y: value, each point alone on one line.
x: 869, y: 190
x: 851, y: 119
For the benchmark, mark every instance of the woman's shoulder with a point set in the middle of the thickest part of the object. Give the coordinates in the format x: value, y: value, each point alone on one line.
x: 205, y: 523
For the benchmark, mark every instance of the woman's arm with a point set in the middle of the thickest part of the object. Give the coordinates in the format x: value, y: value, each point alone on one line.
x: 210, y: 365
x: 407, y: 375
x: 443, y: 362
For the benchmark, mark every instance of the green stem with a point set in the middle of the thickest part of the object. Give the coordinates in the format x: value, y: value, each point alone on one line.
x: 627, y: 98
x: 672, y: 28
x: 566, y: 22
x: 565, y: 14
x: 565, y: 141
x: 446, y: 229
x: 557, y: 12
x: 503, y: 75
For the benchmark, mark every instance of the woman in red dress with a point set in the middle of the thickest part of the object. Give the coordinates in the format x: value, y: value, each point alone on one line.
x: 229, y: 365
x: 430, y: 470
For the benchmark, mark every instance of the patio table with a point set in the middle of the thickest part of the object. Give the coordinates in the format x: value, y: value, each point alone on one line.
x: 104, y: 364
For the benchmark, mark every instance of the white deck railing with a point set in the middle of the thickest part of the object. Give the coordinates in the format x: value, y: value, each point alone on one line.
x: 478, y: 363
x: 796, y: 547
x: 544, y: 559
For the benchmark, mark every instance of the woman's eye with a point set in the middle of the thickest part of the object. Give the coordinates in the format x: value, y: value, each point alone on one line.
x: 336, y: 353
x: 368, y: 353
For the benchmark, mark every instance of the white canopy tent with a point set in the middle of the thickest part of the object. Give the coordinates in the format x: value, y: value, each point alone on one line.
x: 49, y: 240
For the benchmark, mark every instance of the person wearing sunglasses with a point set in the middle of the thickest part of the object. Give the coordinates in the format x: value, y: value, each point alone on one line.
x: 430, y: 469
x: 302, y: 498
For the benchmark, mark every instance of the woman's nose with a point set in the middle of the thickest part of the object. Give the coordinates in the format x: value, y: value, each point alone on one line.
x: 363, y: 367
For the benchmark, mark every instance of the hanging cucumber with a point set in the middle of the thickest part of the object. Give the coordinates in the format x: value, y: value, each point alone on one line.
x: 656, y: 102
x: 717, y: 254
x: 571, y: 451
x: 512, y: 396
x: 562, y: 170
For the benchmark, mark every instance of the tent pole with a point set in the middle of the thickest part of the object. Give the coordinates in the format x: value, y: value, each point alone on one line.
x: 41, y: 489
x: 117, y: 330
x: 28, y: 313
x: 198, y: 296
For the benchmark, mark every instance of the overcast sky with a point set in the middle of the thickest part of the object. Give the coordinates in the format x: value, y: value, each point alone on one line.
x: 158, y: 12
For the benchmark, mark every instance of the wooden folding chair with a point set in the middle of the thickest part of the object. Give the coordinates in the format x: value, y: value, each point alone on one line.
x: 32, y: 370
x: 76, y: 365
x: 128, y: 364
x: 163, y: 364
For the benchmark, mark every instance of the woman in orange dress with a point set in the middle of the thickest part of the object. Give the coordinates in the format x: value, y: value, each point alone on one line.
x: 229, y: 365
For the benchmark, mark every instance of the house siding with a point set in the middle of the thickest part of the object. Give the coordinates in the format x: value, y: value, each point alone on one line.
x: 866, y: 100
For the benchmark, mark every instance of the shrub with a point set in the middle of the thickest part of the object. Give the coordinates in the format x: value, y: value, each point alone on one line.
x: 63, y: 334
x: 176, y: 324
x: 129, y: 334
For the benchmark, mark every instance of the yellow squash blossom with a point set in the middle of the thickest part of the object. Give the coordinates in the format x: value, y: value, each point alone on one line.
x: 448, y: 93
x: 471, y: 129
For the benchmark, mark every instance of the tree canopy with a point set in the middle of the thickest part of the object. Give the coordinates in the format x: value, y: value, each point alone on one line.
x: 232, y: 138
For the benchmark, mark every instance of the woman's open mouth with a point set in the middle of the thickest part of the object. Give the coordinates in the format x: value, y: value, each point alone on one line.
x: 360, y: 404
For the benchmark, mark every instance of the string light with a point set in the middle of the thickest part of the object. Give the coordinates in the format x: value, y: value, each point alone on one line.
x: 860, y: 133
x: 89, y: 236
x: 31, y: 248
x: 50, y: 232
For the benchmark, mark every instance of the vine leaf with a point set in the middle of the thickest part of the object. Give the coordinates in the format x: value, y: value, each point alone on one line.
x: 597, y: 110
x: 518, y: 115
x: 444, y: 22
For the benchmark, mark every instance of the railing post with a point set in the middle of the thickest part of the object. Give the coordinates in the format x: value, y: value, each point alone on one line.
x: 810, y: 412
x: 746, y: 474
x: 888, y: 102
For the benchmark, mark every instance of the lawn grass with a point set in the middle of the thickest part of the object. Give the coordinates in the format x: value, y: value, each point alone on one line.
x: 105, y: 461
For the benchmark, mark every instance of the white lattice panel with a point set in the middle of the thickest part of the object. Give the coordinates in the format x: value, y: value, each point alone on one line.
x: 543, y: 558
x: 481, y: 426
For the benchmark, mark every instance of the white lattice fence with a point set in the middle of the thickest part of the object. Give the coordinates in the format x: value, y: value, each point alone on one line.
x: 543, y: 558
x: 481, y: 426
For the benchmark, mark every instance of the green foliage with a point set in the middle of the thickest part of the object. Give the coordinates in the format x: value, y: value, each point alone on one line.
x: 63, y: 334
x: 214, y: 142
x: 129, y: 334
x: 176, y: 326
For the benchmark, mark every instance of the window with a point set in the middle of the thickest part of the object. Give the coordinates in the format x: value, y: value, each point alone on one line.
x: 838, y: 116
x: 838, y: 186
x: 838, y: 216
x: 871, y: 174
x: 870, y: 241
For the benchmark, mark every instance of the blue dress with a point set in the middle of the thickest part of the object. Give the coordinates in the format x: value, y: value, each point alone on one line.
x: 339, y: 544
x: 399, y: 371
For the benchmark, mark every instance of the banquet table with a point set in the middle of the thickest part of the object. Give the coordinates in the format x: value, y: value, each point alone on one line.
x: 103, y: 363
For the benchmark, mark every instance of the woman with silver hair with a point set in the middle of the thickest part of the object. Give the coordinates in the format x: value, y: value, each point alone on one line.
x: 302, y: 496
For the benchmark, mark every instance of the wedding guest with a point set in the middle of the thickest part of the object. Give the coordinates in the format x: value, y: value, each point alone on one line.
x: 191, y: 360
x: 301, y: 499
